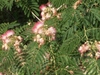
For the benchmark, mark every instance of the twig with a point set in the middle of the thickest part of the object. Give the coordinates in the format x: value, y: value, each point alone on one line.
x: 60, y: 7
x: 36, y: 17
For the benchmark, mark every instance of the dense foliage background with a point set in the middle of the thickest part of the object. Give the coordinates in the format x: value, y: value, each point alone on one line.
x: 77, y: 26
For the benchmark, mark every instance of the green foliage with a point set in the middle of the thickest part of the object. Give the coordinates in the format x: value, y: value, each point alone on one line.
x: 28, y: 6
x: 61, y: 56
x: 6, y: 4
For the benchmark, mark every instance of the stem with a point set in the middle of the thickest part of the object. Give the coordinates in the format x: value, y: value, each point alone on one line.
x: 85, y: 33
x: 60, y: 7
x: 36, y: 17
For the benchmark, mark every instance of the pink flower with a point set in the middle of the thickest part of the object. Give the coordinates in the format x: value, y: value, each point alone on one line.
x: 51, y: 31
x: 37, y: 26
x: 9, y: 33
x: 6, y: 41
x: 83, y: 48
x: 3, y: 36
x: 43, y: 7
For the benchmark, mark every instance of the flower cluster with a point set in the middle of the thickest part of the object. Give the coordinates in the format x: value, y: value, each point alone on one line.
x: 90, y: 47
x: 48, y: 11
x: 9, y: 39
x: 41, y: 31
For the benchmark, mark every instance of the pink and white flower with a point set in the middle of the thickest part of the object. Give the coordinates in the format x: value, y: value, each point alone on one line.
x: 84, y: 48
x: 43, y: 7
x: 37, y: 26
x: 9, y: 33
x: 51, y: 31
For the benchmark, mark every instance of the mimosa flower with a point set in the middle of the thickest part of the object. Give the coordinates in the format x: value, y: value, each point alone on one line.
x: 84, y: 48
x: 9, y: 33
x: 51, y: 31
x: 37, y: 26
x: 43, y: 7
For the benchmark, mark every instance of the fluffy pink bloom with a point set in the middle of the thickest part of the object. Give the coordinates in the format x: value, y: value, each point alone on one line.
x: 9, y: 33
x: 85, y: 47
x: 43, y: 7
x: 7, y: 40
x: 37, y: 26
x: 51, y: 31
x: 3, y: 36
